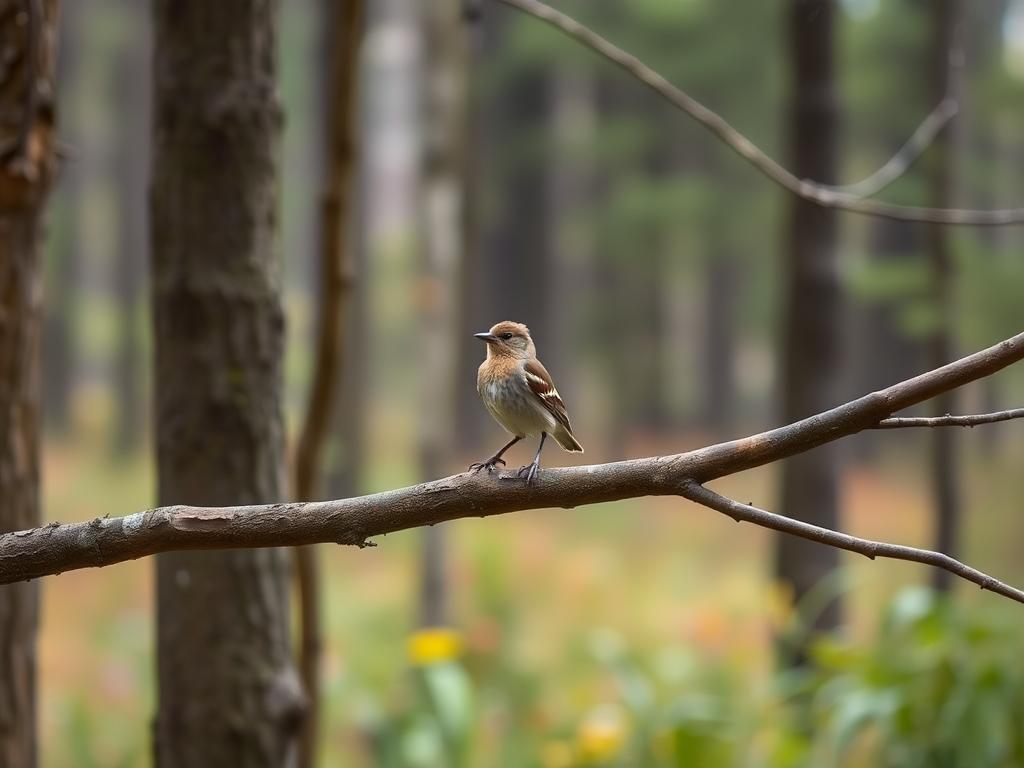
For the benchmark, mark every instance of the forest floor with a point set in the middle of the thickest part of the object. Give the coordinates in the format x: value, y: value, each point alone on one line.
x: 538, y: 597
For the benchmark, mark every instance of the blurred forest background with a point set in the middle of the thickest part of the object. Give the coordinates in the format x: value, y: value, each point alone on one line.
x: 652, y: 266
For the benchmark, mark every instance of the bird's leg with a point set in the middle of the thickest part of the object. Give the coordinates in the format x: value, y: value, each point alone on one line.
x: 531, y: 470
x: 496, y: 459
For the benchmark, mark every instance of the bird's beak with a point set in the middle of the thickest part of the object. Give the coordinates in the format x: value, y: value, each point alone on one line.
x: 488, y: 337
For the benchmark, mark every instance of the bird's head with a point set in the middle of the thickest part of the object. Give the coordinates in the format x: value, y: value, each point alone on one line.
x: 509, y: 339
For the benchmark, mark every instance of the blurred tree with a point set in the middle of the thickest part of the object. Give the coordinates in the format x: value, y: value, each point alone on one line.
x: 984, y: 49
x: 346, y: 458
x: 573, y: 127
x: 473, y: 315
x: 811, y: 334
x: 345, y: 25
x: 885, y: 87
x: 517, y: 239
x: 442, y: 124
x: 229, y: 694
x: 347, y: 439
x: 131, y: 155
x: 26, y: 169
x: 722, y: 297
x: 65, y: 241
x: 946, y: 68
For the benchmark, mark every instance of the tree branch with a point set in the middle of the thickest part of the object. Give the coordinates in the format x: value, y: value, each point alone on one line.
x: 58, y: 547
x: 898, y: 164
x: 971, y: 420
x: 820, y: 194
x: 750, y: 514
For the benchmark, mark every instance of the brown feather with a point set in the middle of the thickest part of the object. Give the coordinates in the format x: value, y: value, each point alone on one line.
x: 542, y: 385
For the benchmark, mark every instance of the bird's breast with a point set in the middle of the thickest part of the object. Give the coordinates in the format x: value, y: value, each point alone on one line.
x: 514, y: 406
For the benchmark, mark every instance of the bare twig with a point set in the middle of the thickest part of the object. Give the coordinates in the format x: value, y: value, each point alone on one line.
x: 906, y: 155
x: 872, y: 549
x: 57, y: 547
x: 971, y: 420
x: 819, y: 194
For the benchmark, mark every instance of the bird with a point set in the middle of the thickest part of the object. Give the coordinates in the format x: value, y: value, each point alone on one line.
x: 518, y: 392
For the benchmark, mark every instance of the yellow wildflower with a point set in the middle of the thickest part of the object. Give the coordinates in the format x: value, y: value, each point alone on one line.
x: 601, y: 735
x: 431, y: 645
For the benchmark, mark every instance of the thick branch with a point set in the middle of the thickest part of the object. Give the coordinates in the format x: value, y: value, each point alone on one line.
x: 867, y: 547
x: 971, y: 420
x: 819, y: 194
x: 56, y: 548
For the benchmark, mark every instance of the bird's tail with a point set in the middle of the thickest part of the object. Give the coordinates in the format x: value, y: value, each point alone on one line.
x: 566, y: 440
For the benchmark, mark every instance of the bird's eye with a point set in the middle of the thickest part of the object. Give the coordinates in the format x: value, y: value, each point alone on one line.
x: 506, y: 336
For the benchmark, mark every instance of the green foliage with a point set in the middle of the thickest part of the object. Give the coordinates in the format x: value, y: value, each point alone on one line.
x: 938, y: 685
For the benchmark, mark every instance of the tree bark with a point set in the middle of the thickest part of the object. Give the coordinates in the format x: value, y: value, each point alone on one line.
x: 26, y: 169
x: 946, y: 61
x: 228, y: 694
x: 131, y: 153
x: 812, y: 339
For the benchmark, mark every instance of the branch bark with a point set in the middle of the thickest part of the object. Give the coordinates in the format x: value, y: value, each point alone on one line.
x: 971, y: 420
x: 55, y: 548
x: 867, y: 547
x: 820, y: 194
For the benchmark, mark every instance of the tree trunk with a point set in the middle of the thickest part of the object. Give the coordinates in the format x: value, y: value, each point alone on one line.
x: 26, y: 169
x: 228, y: 694
x: 811, y: 340
x: 131, y: 153
x: 442, y: 125
x: 946, y: 64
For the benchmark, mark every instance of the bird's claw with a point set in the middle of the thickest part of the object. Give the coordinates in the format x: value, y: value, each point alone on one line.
x: 489, y: 465
x: 529, y: 471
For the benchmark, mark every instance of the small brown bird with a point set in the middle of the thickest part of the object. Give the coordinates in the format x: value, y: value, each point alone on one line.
x: 520, y: 395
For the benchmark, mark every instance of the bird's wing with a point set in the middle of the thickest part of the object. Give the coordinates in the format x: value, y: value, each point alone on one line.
x: 541, y: 385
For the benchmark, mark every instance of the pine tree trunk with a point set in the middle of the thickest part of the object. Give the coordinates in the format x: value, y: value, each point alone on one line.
x: 229, y: 694
x: 811, y: 340
x: 26, y: 169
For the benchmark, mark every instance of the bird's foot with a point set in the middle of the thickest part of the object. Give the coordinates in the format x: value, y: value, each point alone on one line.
x: 530, y: 472
x: 489, y: 465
